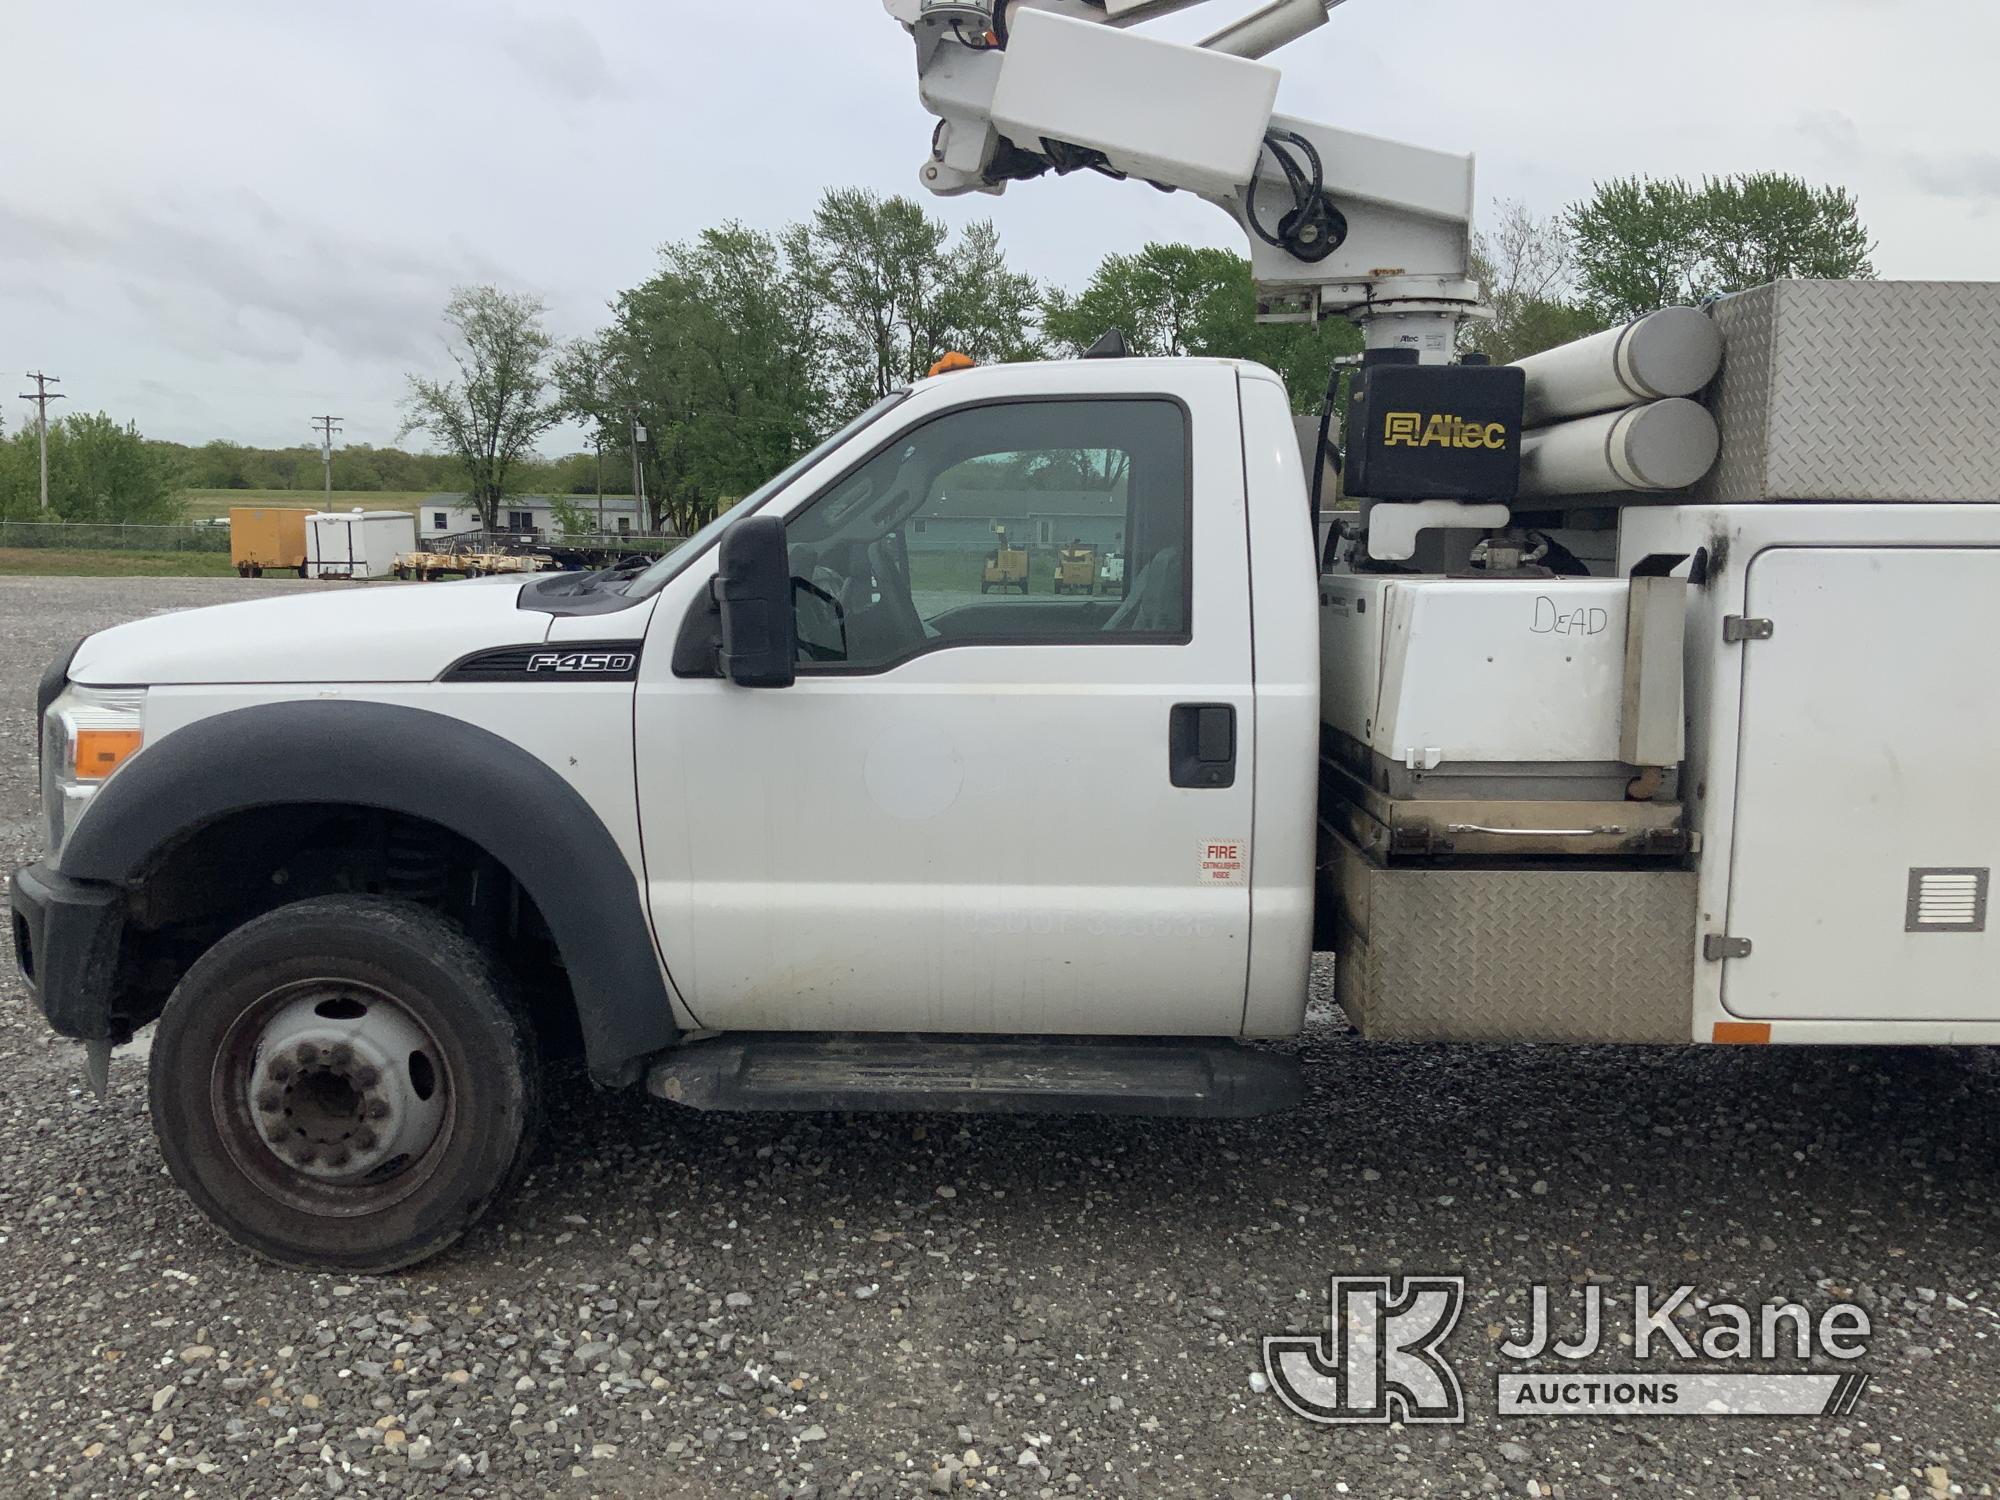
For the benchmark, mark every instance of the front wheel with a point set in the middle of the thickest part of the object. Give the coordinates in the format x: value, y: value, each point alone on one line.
x: 345, y: 1084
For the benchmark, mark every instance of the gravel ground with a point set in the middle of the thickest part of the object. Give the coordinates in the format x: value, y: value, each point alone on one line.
x: 840, y: 1305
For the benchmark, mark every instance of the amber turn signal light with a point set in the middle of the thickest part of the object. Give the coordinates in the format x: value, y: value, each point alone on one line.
x: 99, y: 752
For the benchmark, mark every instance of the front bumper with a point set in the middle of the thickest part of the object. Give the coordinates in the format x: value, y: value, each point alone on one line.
x: 66, y: 942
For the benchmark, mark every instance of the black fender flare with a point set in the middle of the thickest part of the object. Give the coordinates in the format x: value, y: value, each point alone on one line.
x: 387, y: 756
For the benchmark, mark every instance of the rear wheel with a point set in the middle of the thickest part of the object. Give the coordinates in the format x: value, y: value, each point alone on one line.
x: 344, y: 1084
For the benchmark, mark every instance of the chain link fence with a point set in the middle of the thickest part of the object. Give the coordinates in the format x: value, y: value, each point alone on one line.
x: 113, y: 536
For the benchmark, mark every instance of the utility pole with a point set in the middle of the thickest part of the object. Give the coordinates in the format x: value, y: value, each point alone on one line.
x: 326, y: 427
x: 638, y: 474
x: 42, y: 397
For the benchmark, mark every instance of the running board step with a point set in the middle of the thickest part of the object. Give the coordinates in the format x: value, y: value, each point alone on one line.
x: 1207, y: 1079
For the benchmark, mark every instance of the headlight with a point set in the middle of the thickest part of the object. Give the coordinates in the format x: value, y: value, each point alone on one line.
x: 87, y: 734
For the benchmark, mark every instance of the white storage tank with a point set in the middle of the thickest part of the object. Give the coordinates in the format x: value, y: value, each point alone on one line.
x: 357, y: 543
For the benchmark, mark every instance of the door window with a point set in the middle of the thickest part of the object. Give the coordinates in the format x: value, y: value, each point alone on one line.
x: 1028, y: 522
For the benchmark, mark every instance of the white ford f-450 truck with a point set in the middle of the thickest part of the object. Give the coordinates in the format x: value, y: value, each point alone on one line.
x: 1633, y: 695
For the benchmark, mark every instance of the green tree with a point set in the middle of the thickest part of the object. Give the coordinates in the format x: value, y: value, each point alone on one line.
x: 584, y: 377
x: 98, y: 471
x: 719, y: 356
x: 1525, y: 266
x: 1643, y: 243
x: 571, y: 518
x: 20, y: 494
x: 900, y: 294
x: 491, y: 415
x: 1181, y: 300
x: 1767, y: 226
x: 223, y: 465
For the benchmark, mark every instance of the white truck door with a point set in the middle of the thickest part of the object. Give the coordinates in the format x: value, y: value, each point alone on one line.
x: 1866, y: 829
x: 984, y: 806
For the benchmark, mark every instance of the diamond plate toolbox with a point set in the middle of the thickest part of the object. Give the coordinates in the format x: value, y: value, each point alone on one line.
x: 1537, y: 955
x: 1858, y: 390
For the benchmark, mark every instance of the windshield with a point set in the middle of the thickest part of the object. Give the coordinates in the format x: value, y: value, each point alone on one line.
x: 667, y: 567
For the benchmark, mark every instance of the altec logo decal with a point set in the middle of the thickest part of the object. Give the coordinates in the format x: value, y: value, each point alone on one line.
x: 589, y: 662
x: 1412, y: 429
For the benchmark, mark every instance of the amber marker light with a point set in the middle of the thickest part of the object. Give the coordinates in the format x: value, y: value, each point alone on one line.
x: 99, y: 752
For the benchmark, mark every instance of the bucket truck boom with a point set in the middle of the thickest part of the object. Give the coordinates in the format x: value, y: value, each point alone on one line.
x: 1339, y: 223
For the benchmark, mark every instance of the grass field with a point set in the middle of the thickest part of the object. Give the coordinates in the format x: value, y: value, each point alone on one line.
x: 55, y: 562
x: 203, y: 505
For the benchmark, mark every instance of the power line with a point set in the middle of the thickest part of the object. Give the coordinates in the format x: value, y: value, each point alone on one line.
x: 42, y: 397
x: 326, y: 427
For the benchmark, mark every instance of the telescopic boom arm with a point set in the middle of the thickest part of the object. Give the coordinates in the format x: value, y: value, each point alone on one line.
x: 1339, y: 223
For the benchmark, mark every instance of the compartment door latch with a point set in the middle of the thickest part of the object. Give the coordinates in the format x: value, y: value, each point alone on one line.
x: 1739, y: 628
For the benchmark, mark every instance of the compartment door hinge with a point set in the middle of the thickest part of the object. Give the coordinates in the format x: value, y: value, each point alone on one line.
x: 1717, y: 946
x: 1739, y: 628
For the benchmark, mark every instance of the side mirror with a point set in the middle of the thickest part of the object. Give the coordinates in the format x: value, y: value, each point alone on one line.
x: 753, y: 590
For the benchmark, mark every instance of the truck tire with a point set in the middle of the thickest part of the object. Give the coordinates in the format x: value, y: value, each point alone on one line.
x: 345, y: 1084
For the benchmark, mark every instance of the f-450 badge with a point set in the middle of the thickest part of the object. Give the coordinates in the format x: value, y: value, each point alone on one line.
x: 585, y: 661
x: 588, y: 663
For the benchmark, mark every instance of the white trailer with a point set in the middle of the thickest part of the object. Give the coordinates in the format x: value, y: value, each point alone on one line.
x: 357, y: 543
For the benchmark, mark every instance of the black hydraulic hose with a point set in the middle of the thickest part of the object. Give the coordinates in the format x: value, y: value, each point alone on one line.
x: 1321, y: 453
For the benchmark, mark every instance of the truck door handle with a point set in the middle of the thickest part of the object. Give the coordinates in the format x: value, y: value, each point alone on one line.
x: 1201, y: 745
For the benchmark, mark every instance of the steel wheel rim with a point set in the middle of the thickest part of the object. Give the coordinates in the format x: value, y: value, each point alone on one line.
x: 290, y: 1090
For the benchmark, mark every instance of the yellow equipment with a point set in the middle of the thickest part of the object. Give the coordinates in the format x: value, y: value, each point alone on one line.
x: 1007, y: 567
x: 1076, y: 570
x: 265, y: 540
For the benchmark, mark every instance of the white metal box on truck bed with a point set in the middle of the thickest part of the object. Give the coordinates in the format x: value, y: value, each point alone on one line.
x: 1435, y: 673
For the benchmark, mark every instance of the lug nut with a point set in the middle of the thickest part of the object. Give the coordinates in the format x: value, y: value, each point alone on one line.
x: 340, y: 1054
x: 305, y: 1157
x: 271, y: 1100
x: 367, y: 1076
x: 281, y: 1071
x: 365, y: 1139
x: 307, y: 1054
x: 376, y: 1109
x: 339, y: 1158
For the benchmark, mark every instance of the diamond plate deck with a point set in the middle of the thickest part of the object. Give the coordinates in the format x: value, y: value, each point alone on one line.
x: 1858, y: 390
x: 1513, y: 955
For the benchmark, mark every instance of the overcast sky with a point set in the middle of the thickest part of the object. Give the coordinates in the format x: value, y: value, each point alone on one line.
x: 219, y: 218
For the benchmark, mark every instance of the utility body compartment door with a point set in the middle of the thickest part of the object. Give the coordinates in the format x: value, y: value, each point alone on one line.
x: 1866, y: 826
x: 964, y: 816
